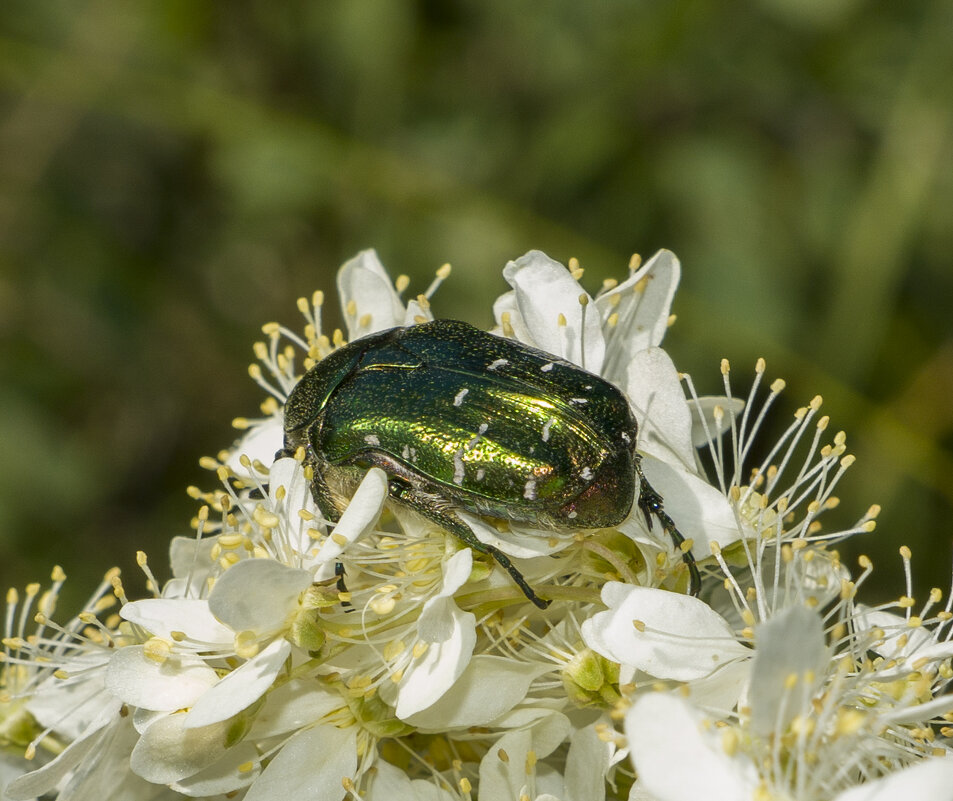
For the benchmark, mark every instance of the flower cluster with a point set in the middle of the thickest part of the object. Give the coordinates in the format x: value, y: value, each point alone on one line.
x: 378, y: 657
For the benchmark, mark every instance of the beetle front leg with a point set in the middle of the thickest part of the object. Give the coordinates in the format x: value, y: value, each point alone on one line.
x: 434, y: 509
x: 650, y: 502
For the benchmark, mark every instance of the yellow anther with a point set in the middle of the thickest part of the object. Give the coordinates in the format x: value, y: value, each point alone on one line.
x: 245, y: 644
x: 729, y: 741
x: 157, y: 650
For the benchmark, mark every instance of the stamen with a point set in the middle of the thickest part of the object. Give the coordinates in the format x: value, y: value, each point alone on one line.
x: 442, y: 274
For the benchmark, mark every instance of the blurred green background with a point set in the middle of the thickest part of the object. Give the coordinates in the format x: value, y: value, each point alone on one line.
x: 174, y: 174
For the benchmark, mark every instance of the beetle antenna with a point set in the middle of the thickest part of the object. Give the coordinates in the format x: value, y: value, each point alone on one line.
x: 650, y: 502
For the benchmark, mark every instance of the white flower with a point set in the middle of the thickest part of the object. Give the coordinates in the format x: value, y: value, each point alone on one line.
x: 669, y: 636
x: 818, y: 720
x: 53, y: 703
x: 445, y: 639
x: 378, y: 657
x: 681, y: 756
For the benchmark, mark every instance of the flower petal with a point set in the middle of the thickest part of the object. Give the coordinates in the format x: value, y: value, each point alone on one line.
x: 706, y: 425
x: 900, y: 643
x: 790, y: 643
x: 311, y: 765
x: 191, y: 561
x: 544, y: 290
x: 364, y: 280
x: 456, y: 570
x: 489, y: 687
x: 678, y: 758
x: 919, y: 713
x: 257, y: 595
x: 665, y: 421
x: 521, y: 541
x: 260, y: 443
x: 700, y: 511
x: 168, y: 752
x: 416, y: 314
x: 363, y: 511
x: 507, y: 304
x: 390, y: 783
x: 643, y: 305
x: 720, y: 692
x: 239, y: 689
x: 225, y: 776
x: 662, y: 633
x: 929, y: 778
x: 586, y: 765
x: 46, y: 777
x: 506, y: 778
x: 290, y: 498
x: 165, y: 617
x: 83, y: 697
x: 430, y: 675
x: 175, y: 683
x: 294, y: 705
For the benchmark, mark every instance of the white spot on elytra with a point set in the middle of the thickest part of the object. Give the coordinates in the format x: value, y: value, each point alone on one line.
x: 372, y: 439
x: 480, y: 474
x: 588, y: 386
x: 458, y: 399
x: 529, y: 490
x: 579, y: 401
x: 572, y: 515
x: 498, y: 364
x: 458, y: 467
x: 626, y: 437
x: 482, y: 429
x: 547, y: 367
x: 546, y: 427
x: 585, y: 474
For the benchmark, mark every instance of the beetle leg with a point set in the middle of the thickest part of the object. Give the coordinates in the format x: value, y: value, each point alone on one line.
x: 650, y: 502
x: 434, y: 508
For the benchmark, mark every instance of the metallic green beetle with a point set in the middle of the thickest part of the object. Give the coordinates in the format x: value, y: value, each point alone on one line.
x: 462, y: 419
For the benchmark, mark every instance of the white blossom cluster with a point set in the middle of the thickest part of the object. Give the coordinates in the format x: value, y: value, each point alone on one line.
x: 254, y: 672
